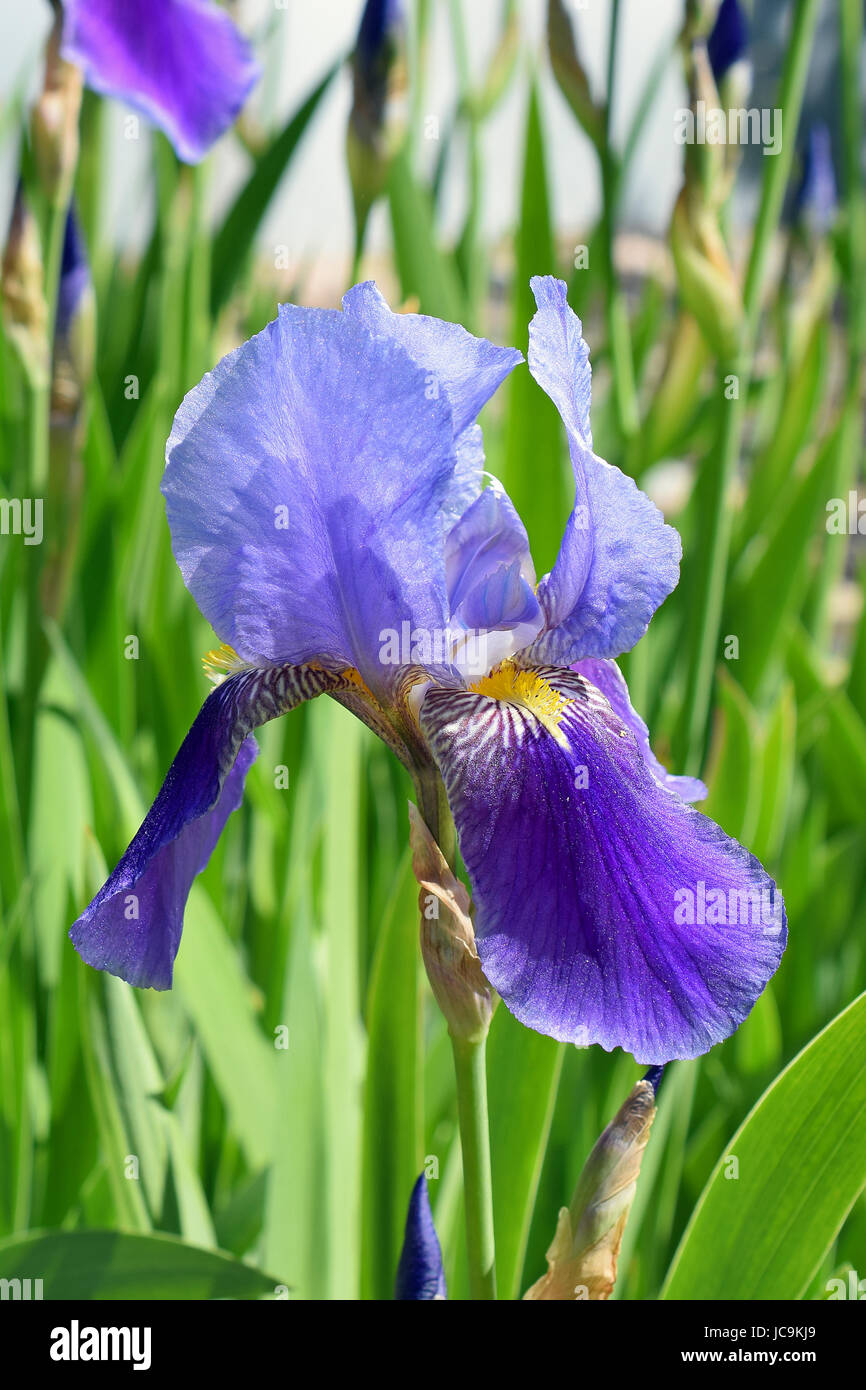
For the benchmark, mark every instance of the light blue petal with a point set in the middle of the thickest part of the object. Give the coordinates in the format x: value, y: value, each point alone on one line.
x: 618, y: 559
x: 465, y: 369
x: 608, y: 678
x: 304, y: 483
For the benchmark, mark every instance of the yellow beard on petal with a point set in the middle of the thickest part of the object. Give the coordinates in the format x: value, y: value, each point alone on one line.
x: 220, y: 662
x: 526, y: 690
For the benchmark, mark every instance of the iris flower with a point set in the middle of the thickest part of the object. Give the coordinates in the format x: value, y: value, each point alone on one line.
x: 182, y: 63
x: 324, y: 491
x: 817, y: 195
x: 420, y: 1274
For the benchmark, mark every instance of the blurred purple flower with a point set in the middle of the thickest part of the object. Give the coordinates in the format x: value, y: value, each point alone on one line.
x: 74, y: 274
x: 420, y: 1274
x: 729, y: 38
x: 182, y: 63
x: 817, y: 195
x: 337, y: 535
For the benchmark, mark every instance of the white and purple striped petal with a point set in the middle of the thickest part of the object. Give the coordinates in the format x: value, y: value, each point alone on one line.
x: 182, y: 63
x: 608, y: 910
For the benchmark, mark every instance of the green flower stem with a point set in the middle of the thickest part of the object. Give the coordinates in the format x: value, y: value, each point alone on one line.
x: 470, y: 1069
x: 711, y: 582
x: 52, y: 223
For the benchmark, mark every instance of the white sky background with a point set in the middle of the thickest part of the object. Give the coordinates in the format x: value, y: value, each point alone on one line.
x: 312, y: 211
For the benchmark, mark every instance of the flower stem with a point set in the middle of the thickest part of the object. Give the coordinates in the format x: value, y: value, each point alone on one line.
x: 470, y: 1070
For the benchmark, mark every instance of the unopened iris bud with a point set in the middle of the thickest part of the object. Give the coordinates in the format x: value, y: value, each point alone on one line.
x: 420, y: 1274
x: 25, y: 312
x: 463, y: 994
x: 377, y: 122
x: 570, y: 72
x: 502, y: 65
x: 75, y: 324
x: 728, y: 41
x: 582, y: 1259
x: 708, y: 285
x: 54, y: 123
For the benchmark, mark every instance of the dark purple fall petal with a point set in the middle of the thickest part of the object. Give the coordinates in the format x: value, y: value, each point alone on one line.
x: 608, y: 678
x: 182, y: 63
x: 585, y: 872
x: 132, y: 927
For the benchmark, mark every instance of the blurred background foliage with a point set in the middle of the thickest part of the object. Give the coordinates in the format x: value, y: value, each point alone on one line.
x: 729, y: 380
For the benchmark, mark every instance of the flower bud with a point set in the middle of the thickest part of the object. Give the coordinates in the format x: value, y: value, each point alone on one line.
x: 420, y: 1275
x: 54, y: 123
x: 447, y: 939
x: 25, y: 312
x: 377, y: 121
x: 501, y: 67
x: 570, y: 72
x: 728, y: 41
x: 74, y: 326
x: 708, y: 285
x: 582, y: 1259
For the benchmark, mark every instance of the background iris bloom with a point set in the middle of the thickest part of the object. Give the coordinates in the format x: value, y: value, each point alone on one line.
x: 324, y: 490
x: 182, y: 63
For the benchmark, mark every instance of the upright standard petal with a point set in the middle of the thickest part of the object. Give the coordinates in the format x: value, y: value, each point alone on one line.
x: 607, y: 909
x: 133, y: 926
x: 618, y: 559
x: 304, y: 483
x: 465, y: 369
x: 491, y: 582
x: 608, y: 678
x: 420, y: 1274
x: 182, y: 63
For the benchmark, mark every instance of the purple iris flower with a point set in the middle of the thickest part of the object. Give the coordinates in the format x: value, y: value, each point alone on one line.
x: 729, y: 38
x: 420, y: 1274
x: 817, y: 194
x: 324, y: 491
x: 74, y: 274
x: 182, y: 63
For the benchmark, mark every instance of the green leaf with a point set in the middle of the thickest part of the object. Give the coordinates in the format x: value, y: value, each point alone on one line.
x: 734, y: 778
x: 534, y: 473
x: 392, y: 1096
x: 235, y: 237
x: 781, y: 574
x: 218, y: 998
x: 523, y: 1070
x: 424, y: 269
x: 116, y: 1265
x: 801, y: 1157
